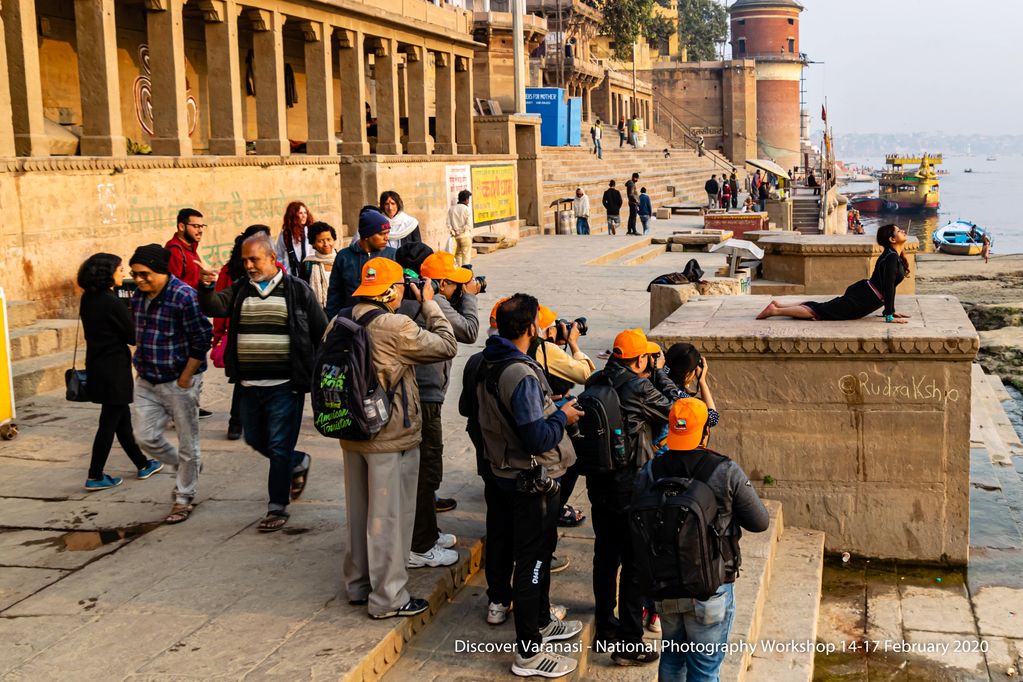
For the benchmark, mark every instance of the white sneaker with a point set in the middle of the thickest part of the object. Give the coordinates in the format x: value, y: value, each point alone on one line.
x: 544, y: 664
x: 446, y: 540
x: 560, y: 629
x: 437, y: 556
x: 497, y: 613
x: 558, y: 611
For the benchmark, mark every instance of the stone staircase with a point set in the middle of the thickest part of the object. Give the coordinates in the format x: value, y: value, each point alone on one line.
x: 678, y: 178
x: 41, y: 350
x: 806, y: 214
x: 777, y: 600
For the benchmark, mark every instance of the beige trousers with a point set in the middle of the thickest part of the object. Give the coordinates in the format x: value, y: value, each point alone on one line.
x: 380, y: 500
x: 463, y: 250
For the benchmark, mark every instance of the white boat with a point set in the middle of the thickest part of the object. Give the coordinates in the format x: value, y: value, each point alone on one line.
x: 961, y: 238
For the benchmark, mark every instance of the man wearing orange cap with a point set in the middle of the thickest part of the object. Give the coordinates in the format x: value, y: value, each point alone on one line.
x: 385, y: 469
x: 456, y: 296
x: 645, y: 402
x: 694, y: 644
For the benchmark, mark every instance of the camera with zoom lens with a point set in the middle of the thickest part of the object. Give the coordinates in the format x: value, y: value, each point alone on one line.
x: 565, y: 326
x: 420, y: 284
x: 482, y: 281
x: 535, y: 481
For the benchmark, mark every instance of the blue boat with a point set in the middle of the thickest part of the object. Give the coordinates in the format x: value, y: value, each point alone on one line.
x: 961, y: 238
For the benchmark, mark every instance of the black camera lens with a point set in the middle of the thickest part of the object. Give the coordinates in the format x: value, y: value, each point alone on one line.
x: 482, y: 281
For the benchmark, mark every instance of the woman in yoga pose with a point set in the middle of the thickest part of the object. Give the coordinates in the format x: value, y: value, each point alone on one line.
x: 863, y: 297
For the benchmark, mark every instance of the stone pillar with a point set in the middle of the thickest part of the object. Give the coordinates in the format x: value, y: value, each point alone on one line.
x: 22, y: 62
x: 385, y: 72
x: 268, y: 69
x: 418, y: 123
x: 319, y: 89
x: 445, y: 126
x: 352, y: 58
x: 96, y: 40
x: 463, y: 106
x: 6, y: 131
x: 165, y: 33
x: 225, y: 105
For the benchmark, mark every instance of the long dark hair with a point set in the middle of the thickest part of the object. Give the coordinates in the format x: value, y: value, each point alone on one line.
x: 235, y: 269
x: 97, y: 272
x: 884, y: 239
x: 292, y: 227
x: 681, y: 360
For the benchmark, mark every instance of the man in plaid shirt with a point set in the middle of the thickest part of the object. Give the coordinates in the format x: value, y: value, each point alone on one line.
x: 173, y: 339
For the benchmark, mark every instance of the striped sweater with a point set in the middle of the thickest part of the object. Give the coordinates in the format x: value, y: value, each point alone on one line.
x: 263, y: 340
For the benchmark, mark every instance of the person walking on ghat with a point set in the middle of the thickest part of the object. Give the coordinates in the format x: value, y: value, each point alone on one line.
x: 621, y: 132
x: 598, y: 135
x: 632, y: 193
x: 612, y: 203
x: 863, y: 297
x: 733, y: 186
x: 185, y: 262
x: 460, y: 228
x: 712, y: 188
x: 581, y: 206
x: 108, y: 333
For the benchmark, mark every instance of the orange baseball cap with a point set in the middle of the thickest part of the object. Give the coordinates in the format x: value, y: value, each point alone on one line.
x: 547, y: 317
x: 632, y: 343
x: 493, y: 312
x: 441, y: 265
x: 686, y: 422
x: 379, y: 275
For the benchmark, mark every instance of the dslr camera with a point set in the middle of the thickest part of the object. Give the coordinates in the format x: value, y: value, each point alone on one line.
x: 480, y: 279
x: 420, y: 283
x: 535, y: 481
x: 563, y: 327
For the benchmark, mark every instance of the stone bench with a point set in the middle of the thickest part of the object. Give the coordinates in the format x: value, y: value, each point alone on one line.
x: 697, y: 240
x: 861, y: 428
x: 738, y: 223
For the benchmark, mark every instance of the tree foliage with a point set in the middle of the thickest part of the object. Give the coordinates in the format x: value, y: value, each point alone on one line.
x: 624, y: 22
x: 657, y: 30
x: 702, y: 23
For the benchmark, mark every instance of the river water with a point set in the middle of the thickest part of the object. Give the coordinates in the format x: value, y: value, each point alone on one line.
x: 976, y: 196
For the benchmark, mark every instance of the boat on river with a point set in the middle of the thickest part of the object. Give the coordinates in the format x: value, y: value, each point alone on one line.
x: 913, y: 188
x: 961, y: 238
x: 873, y: 205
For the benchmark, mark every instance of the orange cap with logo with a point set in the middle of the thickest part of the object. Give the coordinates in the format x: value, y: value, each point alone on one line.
x: 632, y: 343
x: 547, y: 317
x: 686, y: 421
x: 441, y: 265
x: 379, y: 275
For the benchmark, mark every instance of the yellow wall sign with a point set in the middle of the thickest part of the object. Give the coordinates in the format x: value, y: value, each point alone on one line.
x: 494, y: 196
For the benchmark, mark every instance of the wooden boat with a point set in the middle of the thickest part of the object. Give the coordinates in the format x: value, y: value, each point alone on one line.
x: 911, y: 189
x: 961, y: 238
x: 872, y: 205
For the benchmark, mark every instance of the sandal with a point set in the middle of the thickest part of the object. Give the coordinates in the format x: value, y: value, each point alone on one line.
x: 299, y: 478
x: 179, y: 513
x: 273, y: 520
x: 571, y: 517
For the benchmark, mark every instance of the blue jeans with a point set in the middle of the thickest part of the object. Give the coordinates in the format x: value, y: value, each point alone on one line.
x: 599, y: 148
x: 645, y: 219
x: 271, y: 418
x: 687, y: 622
x: 582, y: 225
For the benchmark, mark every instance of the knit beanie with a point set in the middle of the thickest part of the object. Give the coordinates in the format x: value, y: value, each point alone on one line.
x: 411, y: 256
x: 154, y: 257
x: 371, y: 222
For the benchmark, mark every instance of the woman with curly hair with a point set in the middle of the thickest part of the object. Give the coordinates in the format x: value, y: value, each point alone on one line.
x: 109, y: 331
x: 404, y: 228
x: 292, y: 245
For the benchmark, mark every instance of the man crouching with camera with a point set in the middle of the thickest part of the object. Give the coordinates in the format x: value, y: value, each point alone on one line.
x: 525, y: 445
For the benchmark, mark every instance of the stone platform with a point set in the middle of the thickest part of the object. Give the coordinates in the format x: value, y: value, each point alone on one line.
x: 824, y: 264
x: 860, y: 428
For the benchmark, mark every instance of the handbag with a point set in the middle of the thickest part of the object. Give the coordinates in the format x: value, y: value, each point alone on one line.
x: 75, y: 379
x: 217, y: 353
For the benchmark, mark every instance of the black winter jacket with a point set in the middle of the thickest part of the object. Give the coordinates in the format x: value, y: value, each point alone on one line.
x: 306, y: 324
x: 612, y: 201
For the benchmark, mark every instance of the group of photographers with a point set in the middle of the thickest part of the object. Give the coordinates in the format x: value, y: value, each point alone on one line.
x: 530, y: 435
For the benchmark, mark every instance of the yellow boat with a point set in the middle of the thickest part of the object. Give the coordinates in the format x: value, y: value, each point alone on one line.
x: 911, y: 189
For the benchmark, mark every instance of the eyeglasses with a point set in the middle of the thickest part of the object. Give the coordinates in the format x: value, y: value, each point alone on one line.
x: 201, y: 226
x: 140, y: 275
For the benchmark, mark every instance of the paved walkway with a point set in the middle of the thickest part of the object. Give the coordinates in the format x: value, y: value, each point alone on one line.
x: 93, y: 587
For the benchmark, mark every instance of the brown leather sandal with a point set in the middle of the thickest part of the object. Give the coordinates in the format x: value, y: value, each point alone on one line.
x: 273, y: 521
x: 179, y: 513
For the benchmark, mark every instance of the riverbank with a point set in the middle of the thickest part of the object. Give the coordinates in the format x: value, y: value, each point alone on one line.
x: 992, y: 294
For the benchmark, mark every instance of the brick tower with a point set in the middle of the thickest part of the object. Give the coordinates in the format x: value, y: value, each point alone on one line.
x: 768, y: 32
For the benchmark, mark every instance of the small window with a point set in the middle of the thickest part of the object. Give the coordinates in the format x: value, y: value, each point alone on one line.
x: 742, y: 22
x: 792, y: 22
x: 742, y: 46
x: 792, y: 44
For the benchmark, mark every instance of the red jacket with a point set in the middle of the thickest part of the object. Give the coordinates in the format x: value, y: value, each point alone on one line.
x: 184, y: 261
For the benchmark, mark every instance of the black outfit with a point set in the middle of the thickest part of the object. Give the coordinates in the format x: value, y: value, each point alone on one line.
x: 733, y: 184
x: 712, y: 187
x: 633, y: 194
x: 612, y: 201
x: 645, y: 404
x: 109, y: 330
x: 867, y: 295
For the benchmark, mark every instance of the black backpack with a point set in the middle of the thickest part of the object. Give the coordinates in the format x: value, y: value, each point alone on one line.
x: 348, y: 401
x: 673, y: 524
x: 601, y: 444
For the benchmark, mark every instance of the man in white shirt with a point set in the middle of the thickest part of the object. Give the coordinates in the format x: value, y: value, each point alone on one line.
x: 582, y: 212
x: 460, y: 228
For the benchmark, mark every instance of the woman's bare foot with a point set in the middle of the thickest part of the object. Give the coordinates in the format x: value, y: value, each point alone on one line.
x: 768, y: 311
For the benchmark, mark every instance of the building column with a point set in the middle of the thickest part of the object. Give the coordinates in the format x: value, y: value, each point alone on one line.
x: 96, y: 42
x: 463, y: 106
x: 268, y: 70
x: 227, y: 137
x: 6, y: 132
x: 319, y: 89
x: 165, y: 33
x: 385, y: 73
x: 418, y: 122
x: 444, y: 140
x: 19, y: 17
x: 352, y: 59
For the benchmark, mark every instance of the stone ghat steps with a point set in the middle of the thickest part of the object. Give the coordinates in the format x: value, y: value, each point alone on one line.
x: 44, y: 337
x: 37, y: 375
x: 41, y: 350
x: 989, y: 425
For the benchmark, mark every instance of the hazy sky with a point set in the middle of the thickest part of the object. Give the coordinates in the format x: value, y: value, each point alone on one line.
x: 915, y: 65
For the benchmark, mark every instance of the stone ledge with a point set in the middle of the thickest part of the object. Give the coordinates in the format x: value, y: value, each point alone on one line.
x: 825, y: 245
x: 142, y: 162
